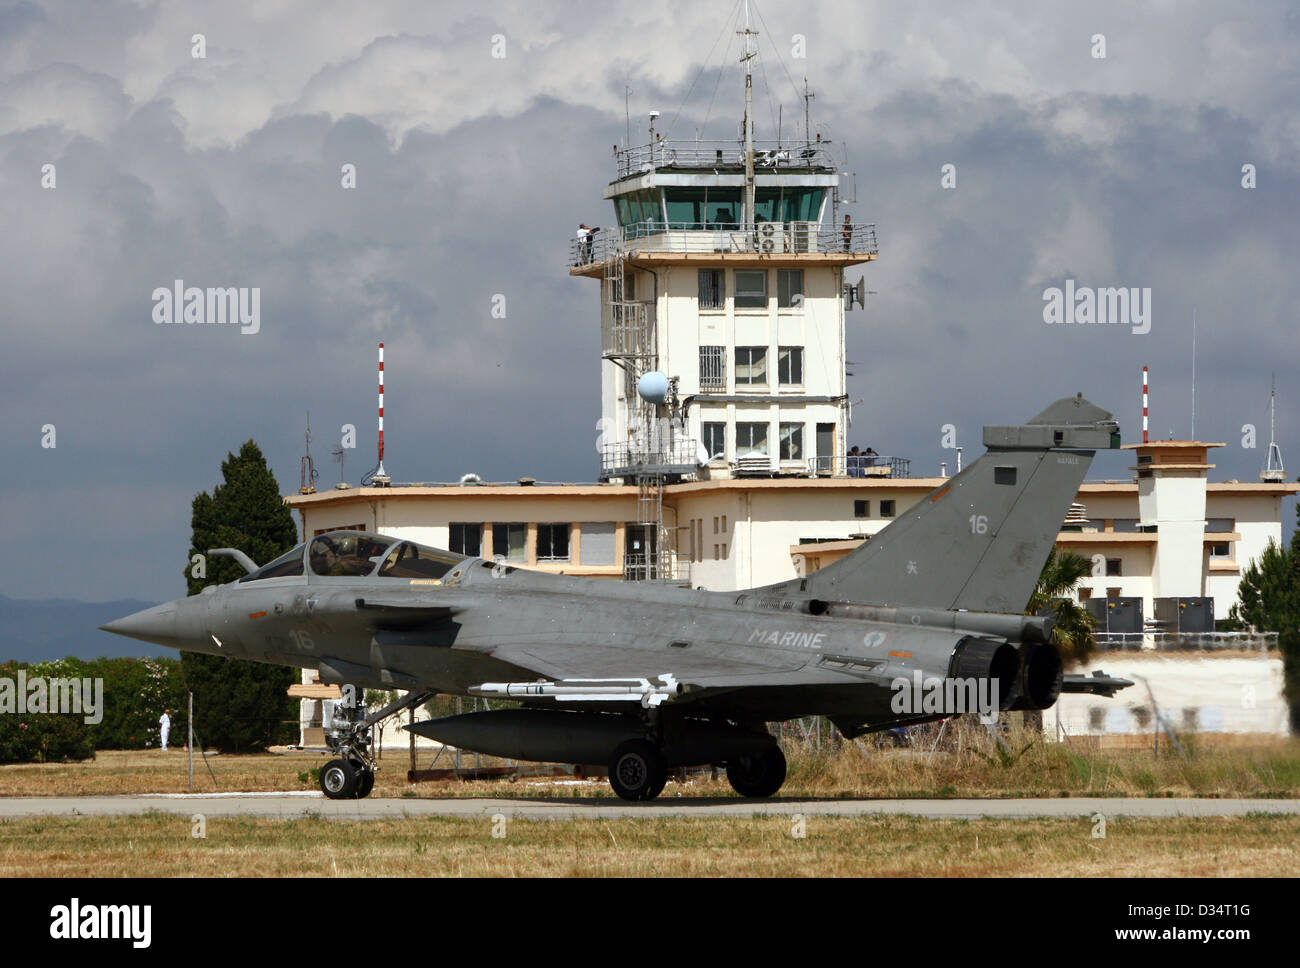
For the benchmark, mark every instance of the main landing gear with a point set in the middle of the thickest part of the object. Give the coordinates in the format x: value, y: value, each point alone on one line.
x: 638, y: 771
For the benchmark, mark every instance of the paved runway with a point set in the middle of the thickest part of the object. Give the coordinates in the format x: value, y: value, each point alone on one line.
x: 297, y: 805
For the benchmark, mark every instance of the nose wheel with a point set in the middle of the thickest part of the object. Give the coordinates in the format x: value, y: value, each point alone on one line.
x: 345, y: 780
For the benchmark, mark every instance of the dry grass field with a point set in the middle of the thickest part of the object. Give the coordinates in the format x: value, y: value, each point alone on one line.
x: 155, y: 845
x: 164, y: 846
x: 970, y: 767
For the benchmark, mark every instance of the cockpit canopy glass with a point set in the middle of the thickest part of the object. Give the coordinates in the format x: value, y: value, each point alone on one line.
x: 288, y: 565
x: 347, y: 553
x: 410, y: 560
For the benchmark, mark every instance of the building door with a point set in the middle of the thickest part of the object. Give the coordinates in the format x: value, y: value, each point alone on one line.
x: 639, y: 559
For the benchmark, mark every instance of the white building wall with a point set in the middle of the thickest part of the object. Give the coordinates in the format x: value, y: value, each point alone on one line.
x: 1213, y: 694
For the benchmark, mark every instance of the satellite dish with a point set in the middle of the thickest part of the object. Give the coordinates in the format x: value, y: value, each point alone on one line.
x: 860, y: 291
x: 653, y: 387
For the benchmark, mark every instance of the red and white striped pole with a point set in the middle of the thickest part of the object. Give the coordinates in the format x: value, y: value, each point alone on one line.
x: 1145, y: 390
x: 379, y: 472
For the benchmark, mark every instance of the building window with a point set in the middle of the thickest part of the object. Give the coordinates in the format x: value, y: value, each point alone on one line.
x: 713, y: 433
x: 713, y: 368
x: 552, y: 542
x: 1114, y: 567
x: 466, y: 539
x: 791, y: 441
x: 597, y: 543
x: 862, y: 509
x: 789, y: 288
x: 751, y: 365
x: 1221, y: 525
x: 1114, y: 592
x: 751, y: 289
x: 789, y: 365
x: 1085, y: 594
x: 1221, y: 549
x: 510, y: 541
x: 751, y: 438
x: 343, y: 527
x: 712, y: 295
x: 886, y: 509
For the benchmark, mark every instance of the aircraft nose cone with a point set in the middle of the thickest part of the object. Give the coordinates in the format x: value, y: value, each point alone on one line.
x: 157, y: 625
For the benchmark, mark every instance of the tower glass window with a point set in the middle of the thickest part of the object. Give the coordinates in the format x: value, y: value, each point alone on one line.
x: 791, y: 441
x: 712, y: 295
x: 713, y: 368
x: 751, y: 289
x: 751, y: 438
x: 713, y: 434
x: 751, y: 365
x: 789, y: 365
x: 789, y: 288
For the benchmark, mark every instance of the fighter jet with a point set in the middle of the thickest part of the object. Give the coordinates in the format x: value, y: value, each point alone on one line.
x: 921, y: 622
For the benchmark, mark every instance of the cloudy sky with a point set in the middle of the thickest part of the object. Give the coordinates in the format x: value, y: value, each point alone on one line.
x: 472, y: 171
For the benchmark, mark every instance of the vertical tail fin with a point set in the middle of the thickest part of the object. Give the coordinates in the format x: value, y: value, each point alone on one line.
x: 979, y: 541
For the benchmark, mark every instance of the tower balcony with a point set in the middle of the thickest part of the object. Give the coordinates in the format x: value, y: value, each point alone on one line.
x: 651, y: 243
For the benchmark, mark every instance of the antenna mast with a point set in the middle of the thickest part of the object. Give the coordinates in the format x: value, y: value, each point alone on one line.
x: 1273, y: 469
x: 807, y: 124
x: 747, y: 58
x: 308, y: 475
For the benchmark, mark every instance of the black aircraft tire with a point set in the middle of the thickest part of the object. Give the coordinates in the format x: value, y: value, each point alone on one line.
x: 365, y: 784
x: 638, y: 770
x: 339, y: 779
x: 760, y: 775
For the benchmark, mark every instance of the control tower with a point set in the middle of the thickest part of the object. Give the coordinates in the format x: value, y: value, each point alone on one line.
x: 723, y: 284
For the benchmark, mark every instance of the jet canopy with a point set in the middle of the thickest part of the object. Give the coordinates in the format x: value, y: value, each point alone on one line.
x: 356, y: 554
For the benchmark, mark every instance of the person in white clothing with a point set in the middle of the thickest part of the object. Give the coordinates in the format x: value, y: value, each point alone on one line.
x: 165, y: 726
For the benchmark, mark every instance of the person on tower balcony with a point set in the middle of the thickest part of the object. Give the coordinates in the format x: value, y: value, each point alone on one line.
x: 586, y: 236
x: 847, y: 230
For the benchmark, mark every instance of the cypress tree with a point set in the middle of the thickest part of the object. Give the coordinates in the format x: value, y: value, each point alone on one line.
x: 239, y: 706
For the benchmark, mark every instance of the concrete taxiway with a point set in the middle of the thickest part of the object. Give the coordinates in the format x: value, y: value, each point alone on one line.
x: 294, y: 805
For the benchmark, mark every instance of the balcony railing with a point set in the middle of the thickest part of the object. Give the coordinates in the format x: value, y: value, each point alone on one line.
x: 870, y: 466
x: 626, y: 459
x: 1187, y: 641
x: 627, y: 329
x: 764, y: 238
x: 664, y: 566
x: 717, y: 155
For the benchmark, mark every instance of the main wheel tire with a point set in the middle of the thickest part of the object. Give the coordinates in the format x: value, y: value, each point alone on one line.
x: 365, y: 784
x: 759, y: 775
x: 638, y: 770
x: 339, y: 780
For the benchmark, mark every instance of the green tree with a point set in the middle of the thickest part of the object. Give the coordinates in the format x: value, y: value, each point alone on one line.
x: 1072, y: 630
x: 239, y: 705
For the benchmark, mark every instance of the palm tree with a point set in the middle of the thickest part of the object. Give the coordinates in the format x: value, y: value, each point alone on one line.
x: 1072, y: 630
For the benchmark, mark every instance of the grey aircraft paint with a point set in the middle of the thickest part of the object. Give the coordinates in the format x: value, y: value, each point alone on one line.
x: 640, y: 677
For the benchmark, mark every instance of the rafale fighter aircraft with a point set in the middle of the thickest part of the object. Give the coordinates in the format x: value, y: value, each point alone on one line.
x: 640, y: 677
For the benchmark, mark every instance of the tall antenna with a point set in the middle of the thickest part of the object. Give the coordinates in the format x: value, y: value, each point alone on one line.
x: 807, y: 124
x: 308, y: 474
x: 747, y: 59
x: 1273, y: 470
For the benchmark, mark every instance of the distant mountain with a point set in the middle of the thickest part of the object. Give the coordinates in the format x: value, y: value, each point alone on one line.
x: 52, y: 628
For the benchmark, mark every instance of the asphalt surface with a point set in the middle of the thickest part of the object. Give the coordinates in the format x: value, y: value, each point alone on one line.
x: 290, y: 806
